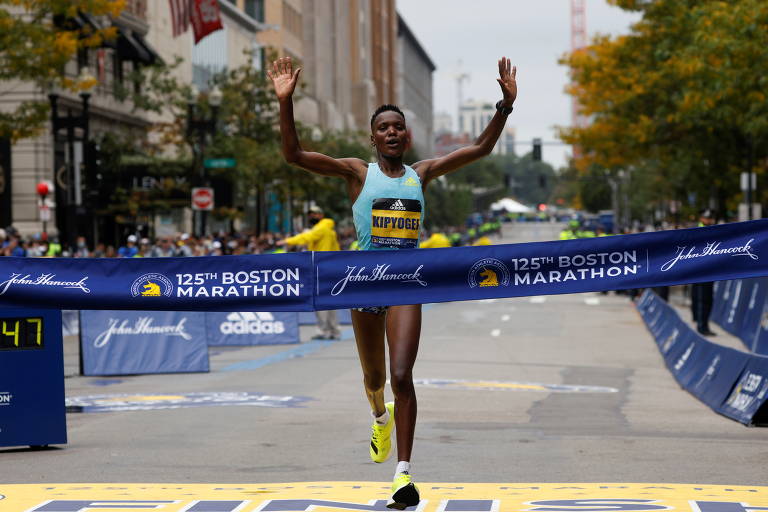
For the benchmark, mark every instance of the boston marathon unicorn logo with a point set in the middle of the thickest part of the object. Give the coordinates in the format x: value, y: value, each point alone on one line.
x: 490, y: 278
x: 488, y: 272
x: 151, y: 290
x: 152, y: 285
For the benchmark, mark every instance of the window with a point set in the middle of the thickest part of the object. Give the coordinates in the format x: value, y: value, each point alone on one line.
x: 255, y: 9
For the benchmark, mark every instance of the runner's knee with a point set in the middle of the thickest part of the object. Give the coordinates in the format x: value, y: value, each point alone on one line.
x: 401, y: 380
x: 374, y: 381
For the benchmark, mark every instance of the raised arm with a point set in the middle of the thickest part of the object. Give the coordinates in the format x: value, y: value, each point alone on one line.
x: 284, y: 80
x: 483, y: 145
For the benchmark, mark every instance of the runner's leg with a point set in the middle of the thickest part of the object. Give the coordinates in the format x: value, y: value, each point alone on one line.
x: 403, y: 331
x: 369, y: 336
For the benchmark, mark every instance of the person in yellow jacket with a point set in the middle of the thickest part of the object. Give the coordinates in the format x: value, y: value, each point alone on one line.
x: 434, y: 241
x: 321, y: 237
x: 483, y: 240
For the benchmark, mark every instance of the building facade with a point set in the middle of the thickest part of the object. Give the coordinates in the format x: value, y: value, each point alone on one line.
x: 474, y: 116
x: 414, y: 69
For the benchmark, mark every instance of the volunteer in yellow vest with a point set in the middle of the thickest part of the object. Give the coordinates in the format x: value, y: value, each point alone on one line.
x: 321, y: 237
x: 434, y: 241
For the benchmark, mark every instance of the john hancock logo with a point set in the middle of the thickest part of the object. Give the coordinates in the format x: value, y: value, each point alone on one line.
x: 488, y: 272
x: 152, y: 285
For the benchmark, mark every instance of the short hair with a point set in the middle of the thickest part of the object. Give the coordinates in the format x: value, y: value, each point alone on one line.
x: 384, y: 108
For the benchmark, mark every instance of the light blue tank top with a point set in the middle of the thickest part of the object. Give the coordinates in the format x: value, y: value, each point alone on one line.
x: 389, y: 212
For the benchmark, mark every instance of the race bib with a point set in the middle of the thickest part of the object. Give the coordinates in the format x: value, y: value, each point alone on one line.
x: 395, y: 223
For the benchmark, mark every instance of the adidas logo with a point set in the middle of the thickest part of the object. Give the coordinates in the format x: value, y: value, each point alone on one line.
x: 410, y: 182
x: 397, y: 205
x: 246, y: 322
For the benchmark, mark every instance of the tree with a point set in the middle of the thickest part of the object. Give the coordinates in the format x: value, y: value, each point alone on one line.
x: 681, y: 99
x: 37, y: 39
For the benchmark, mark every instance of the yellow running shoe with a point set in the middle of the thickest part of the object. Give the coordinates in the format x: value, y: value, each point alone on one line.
x: 381, y: 445
x: 404, y: 493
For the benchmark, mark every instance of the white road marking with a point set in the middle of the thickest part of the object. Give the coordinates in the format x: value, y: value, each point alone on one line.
x: 592, y: 301
x: 496, y: 332
x: 538, y: 300
x: 505, y: 318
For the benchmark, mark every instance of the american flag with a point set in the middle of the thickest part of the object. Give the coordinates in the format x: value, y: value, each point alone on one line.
x: 180, y: 15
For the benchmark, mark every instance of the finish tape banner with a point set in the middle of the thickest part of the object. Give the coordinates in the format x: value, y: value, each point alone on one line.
x: 379, y: 278
x: 270, y: 282
x: 344, y: 279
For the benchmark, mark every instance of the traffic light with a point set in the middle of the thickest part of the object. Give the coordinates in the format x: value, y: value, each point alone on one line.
x: 537, y: 150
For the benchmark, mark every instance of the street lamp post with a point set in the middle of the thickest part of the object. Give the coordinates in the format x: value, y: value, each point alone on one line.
x: 73, y: 172
x: 199, y: 129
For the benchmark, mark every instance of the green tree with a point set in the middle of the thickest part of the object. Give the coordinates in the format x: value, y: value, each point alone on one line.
x: 681, y: 99
x: 37, y: 39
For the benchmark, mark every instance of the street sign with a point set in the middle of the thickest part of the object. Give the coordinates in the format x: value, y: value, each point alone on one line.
x: 219, y: 163
x: 202, y: 198
x: 45, y: 213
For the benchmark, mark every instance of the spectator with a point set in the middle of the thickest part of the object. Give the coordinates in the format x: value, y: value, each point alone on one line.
x: 322, y: 237
x: 164, y: 248
x: 129, y: 250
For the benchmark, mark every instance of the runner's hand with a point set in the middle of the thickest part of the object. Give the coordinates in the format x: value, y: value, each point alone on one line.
x: 507, y: 82
x: 283, y: 77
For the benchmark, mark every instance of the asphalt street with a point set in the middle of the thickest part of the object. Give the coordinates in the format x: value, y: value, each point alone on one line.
x: 566, y: 388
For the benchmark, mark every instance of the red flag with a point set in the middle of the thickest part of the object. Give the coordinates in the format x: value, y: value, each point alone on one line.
x: 206, y: 18
x: 179, y: 16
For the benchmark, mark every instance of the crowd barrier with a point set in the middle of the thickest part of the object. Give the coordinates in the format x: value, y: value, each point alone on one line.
x: 343, y: 279
x: 740, y: 306
x: 731, y: 382
x: 142, y: 342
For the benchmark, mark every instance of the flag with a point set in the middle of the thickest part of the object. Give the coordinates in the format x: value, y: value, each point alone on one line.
x: 179, y: 16
x: 206, y: 18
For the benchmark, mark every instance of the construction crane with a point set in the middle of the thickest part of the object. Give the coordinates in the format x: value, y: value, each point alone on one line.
x: 578, y: 41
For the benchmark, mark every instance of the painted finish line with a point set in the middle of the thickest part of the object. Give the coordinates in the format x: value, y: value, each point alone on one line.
x: 140, y: 402
x: 372, y: 496
x: 491, y: 385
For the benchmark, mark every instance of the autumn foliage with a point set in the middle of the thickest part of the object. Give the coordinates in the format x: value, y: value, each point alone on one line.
x: 681, y: 99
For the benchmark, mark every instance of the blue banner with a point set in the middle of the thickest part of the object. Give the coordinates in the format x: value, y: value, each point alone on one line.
x: 729, y: 381
x: 270, y: 282
x: 344, y: 279
x: 252, y: 328
x: 377, y: 278
x: 139, y: 342
x: 741, y: 307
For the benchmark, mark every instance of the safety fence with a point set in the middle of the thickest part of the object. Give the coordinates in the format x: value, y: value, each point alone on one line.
x: 740, y: 306
x: 343, y: 279
x: 731, y: 382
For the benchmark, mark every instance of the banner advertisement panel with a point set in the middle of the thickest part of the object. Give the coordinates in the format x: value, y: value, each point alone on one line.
x: 252, y: 328
x: 283, y: 282
x: 140, y: 342
x: 716, y: 375
x: 749, y: 393
x: 380, y: 278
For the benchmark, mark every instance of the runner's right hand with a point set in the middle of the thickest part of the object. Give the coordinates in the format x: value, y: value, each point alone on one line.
x: 283, y: 77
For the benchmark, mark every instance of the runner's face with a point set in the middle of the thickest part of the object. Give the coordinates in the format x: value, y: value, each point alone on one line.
x: 389, y: 134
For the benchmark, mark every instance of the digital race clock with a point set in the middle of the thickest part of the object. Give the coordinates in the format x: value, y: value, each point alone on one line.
x: 21, y: 333
x: 32, y: 410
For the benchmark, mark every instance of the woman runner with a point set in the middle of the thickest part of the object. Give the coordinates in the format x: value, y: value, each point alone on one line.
x: 388, y: 189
